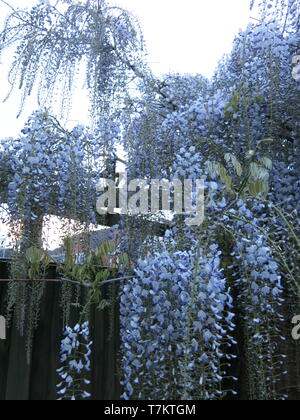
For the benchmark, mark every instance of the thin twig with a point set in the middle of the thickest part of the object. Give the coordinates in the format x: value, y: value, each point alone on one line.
x: 43, y: 280
x: 8, y: 5
x: 67, y: 281
x: 115, y: 280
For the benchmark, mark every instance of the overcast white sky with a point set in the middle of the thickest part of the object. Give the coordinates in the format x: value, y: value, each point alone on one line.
x: 186, y: 36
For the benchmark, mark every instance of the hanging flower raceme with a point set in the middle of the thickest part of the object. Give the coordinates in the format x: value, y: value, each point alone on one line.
x: 260, y: 299
x: 176, y: 323
x: 286, y: 186
x: 53, y: 171
x: 188, y: 164
x: 51, y: 43
x: 75, y: 359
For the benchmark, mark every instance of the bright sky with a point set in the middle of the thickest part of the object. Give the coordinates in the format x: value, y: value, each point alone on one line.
x: 187, y: 36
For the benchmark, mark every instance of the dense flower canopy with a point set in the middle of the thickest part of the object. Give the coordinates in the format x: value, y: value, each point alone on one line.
x: 197, y: 297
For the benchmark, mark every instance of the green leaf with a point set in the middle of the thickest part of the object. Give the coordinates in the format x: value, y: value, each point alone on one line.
x: 230, y: 158
x: 99, y: 277
x: 103, y: 304
x: 266, y: 162
x: 256, y: 187
x: 258, y: 172
x: 267, y: 140
x: 34, y: 255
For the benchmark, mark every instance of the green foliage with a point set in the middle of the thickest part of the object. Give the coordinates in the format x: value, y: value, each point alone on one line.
x: 252, y: 177
x: 38, y: 261
x: 26, y: 291
x: 92, y: 274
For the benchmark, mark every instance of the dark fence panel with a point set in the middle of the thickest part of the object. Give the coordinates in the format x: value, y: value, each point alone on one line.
x: 37, y: 380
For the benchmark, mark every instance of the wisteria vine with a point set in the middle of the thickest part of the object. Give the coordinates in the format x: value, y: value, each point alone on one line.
x: 76, y: 365
x: 176, y: 323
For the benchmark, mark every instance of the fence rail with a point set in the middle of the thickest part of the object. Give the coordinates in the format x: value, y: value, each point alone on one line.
x: 37, y: 380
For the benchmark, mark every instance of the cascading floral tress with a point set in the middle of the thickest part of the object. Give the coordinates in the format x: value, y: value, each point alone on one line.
x: 75, y: 359
x: 176, y: 324
x: 260, y: 301
x: 239, y: 131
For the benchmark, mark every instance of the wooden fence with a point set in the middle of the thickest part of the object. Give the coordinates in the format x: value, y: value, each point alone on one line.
x: 37, y: 380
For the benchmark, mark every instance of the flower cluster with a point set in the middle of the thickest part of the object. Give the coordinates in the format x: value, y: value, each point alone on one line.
x: 286, y: 186
x: 75, y: 358
x: 260, y: 300
x: 188, y: 164
x: 176, y: 323
x: 53, y: 171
